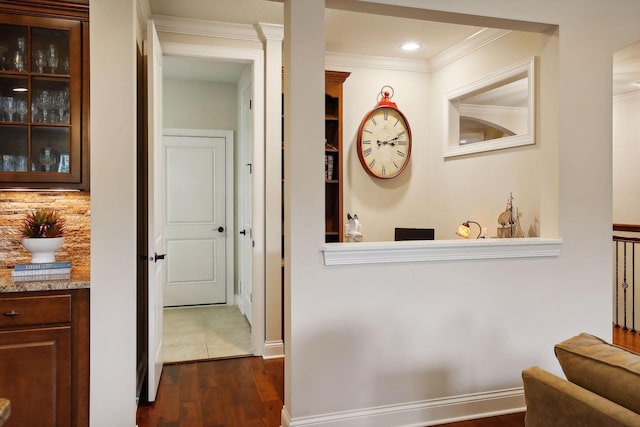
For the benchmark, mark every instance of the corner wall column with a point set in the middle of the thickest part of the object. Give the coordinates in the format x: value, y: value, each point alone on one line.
x: 272, y: 36
x: 304, y: 45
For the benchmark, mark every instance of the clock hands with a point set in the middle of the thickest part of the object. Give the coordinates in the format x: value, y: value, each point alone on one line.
x: 390, y: 142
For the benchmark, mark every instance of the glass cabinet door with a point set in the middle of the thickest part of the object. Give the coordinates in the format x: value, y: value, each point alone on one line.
x: 40, y: 101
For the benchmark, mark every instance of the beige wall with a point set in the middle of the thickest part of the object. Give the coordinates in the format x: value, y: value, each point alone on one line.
x: 192, y: 104
x: 113, y: 33
x: 626, y: 158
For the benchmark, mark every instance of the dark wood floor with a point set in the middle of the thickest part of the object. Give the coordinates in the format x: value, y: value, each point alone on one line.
x: 249, y: 391
x: 240, y: 392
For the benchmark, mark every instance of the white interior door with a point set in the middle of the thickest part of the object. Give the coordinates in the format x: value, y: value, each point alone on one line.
x: 196, y: 225
x: 156, y: 207
x: 245, y: 240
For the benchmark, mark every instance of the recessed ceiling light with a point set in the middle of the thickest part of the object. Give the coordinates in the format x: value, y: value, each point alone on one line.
x: 409, y: 46
x: 20, y: 89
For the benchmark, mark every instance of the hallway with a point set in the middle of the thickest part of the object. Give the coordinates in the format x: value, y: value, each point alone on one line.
x: 205, y: 332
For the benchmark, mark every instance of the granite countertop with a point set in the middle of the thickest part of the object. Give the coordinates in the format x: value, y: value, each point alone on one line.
x: 78, y: 279
x: 5, y: 410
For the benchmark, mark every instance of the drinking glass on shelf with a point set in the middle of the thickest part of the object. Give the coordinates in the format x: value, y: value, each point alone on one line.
x: 19, y: 56
x: 48, y: 157
x: 21, y: 164
x: 9, y: 107
x: 40, y: 61
x: 61, y: 102
x: 22, y: 110
x: 65, y: 65
x: 8, y: 163
x: 34, y: 111
x: 44, y: 103
x: 52, y: 58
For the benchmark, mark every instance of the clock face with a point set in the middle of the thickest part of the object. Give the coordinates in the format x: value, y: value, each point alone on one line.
x: 384, y: 142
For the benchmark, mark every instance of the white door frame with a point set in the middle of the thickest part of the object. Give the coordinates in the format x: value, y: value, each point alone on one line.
x: 243, y: 163
x: 228, y: 192
x: 255, y: 57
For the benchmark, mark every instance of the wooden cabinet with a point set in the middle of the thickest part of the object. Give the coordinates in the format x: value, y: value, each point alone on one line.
x: 334, y: 218
x: 333, y: 156
x: 44, y: 95
x: 44, y: 358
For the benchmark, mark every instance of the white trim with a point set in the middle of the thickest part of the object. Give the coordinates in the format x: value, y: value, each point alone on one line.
x: 438, y: 250
x: 624, y: 96
x: 143, y: 10
x: 207, y: 28
x: 273, y: 349
x: 467, y: 46
x: 229, y: 197
x: 418, y: 414
x: 452, y: 146
x: 491, y: 145
x: 270, y: 31
x: 337, y: 59
x: 256, y: 58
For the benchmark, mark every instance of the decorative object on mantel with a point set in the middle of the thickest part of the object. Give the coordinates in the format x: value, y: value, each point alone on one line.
x: 464, y: 230
x: 509, y: 221
x: 352, y: 229
x: 43, y: 234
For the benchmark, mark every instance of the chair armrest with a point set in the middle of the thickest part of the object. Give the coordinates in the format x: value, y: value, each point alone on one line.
x: 555, y: 402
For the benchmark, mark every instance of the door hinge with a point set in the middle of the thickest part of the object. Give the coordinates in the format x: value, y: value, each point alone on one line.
x: 250, y: 168
x: 250, y: 104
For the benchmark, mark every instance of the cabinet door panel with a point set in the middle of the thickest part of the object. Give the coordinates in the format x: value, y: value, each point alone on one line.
x: 43, y: 79
x: 35, y: 367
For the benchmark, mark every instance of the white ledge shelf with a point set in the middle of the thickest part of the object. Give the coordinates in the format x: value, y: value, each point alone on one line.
x: 439, y: 250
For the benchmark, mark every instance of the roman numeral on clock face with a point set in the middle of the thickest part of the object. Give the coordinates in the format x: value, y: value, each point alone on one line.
x: 400, y: 153
x: 372, y: 163
x: 367, y: 151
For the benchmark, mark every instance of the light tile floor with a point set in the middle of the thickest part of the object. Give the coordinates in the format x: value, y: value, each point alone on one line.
x: 205, y: 332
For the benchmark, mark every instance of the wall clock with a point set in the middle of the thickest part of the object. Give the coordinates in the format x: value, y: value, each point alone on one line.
x: 384, y: 139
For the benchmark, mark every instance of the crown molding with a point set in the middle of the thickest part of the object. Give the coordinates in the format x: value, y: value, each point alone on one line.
x: 270, y: 31
x: 202, y: 27
x: 467, y: 46
x: 337, y: 59
x: 265, y: 31
x: 624, y: 96
x: 143, y: 10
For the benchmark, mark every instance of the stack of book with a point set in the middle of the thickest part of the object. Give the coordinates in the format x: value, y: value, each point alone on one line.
x: 42, y: 271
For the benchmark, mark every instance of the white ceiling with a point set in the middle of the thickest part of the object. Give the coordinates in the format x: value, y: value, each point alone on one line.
x: 347, y: 32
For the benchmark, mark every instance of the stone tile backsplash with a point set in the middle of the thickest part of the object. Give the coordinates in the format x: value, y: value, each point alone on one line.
x: 74, y: 206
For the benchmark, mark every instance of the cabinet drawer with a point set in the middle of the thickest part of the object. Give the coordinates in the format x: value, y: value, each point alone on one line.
x: 35, y: 310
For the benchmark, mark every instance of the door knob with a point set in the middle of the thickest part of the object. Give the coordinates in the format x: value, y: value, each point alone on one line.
x: 158, y: 257
x: 221, y: 229
x: 243, y: 232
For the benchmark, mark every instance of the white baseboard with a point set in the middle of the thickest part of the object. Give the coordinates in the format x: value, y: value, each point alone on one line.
x: 419, y: 414
x: 273, y: 350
